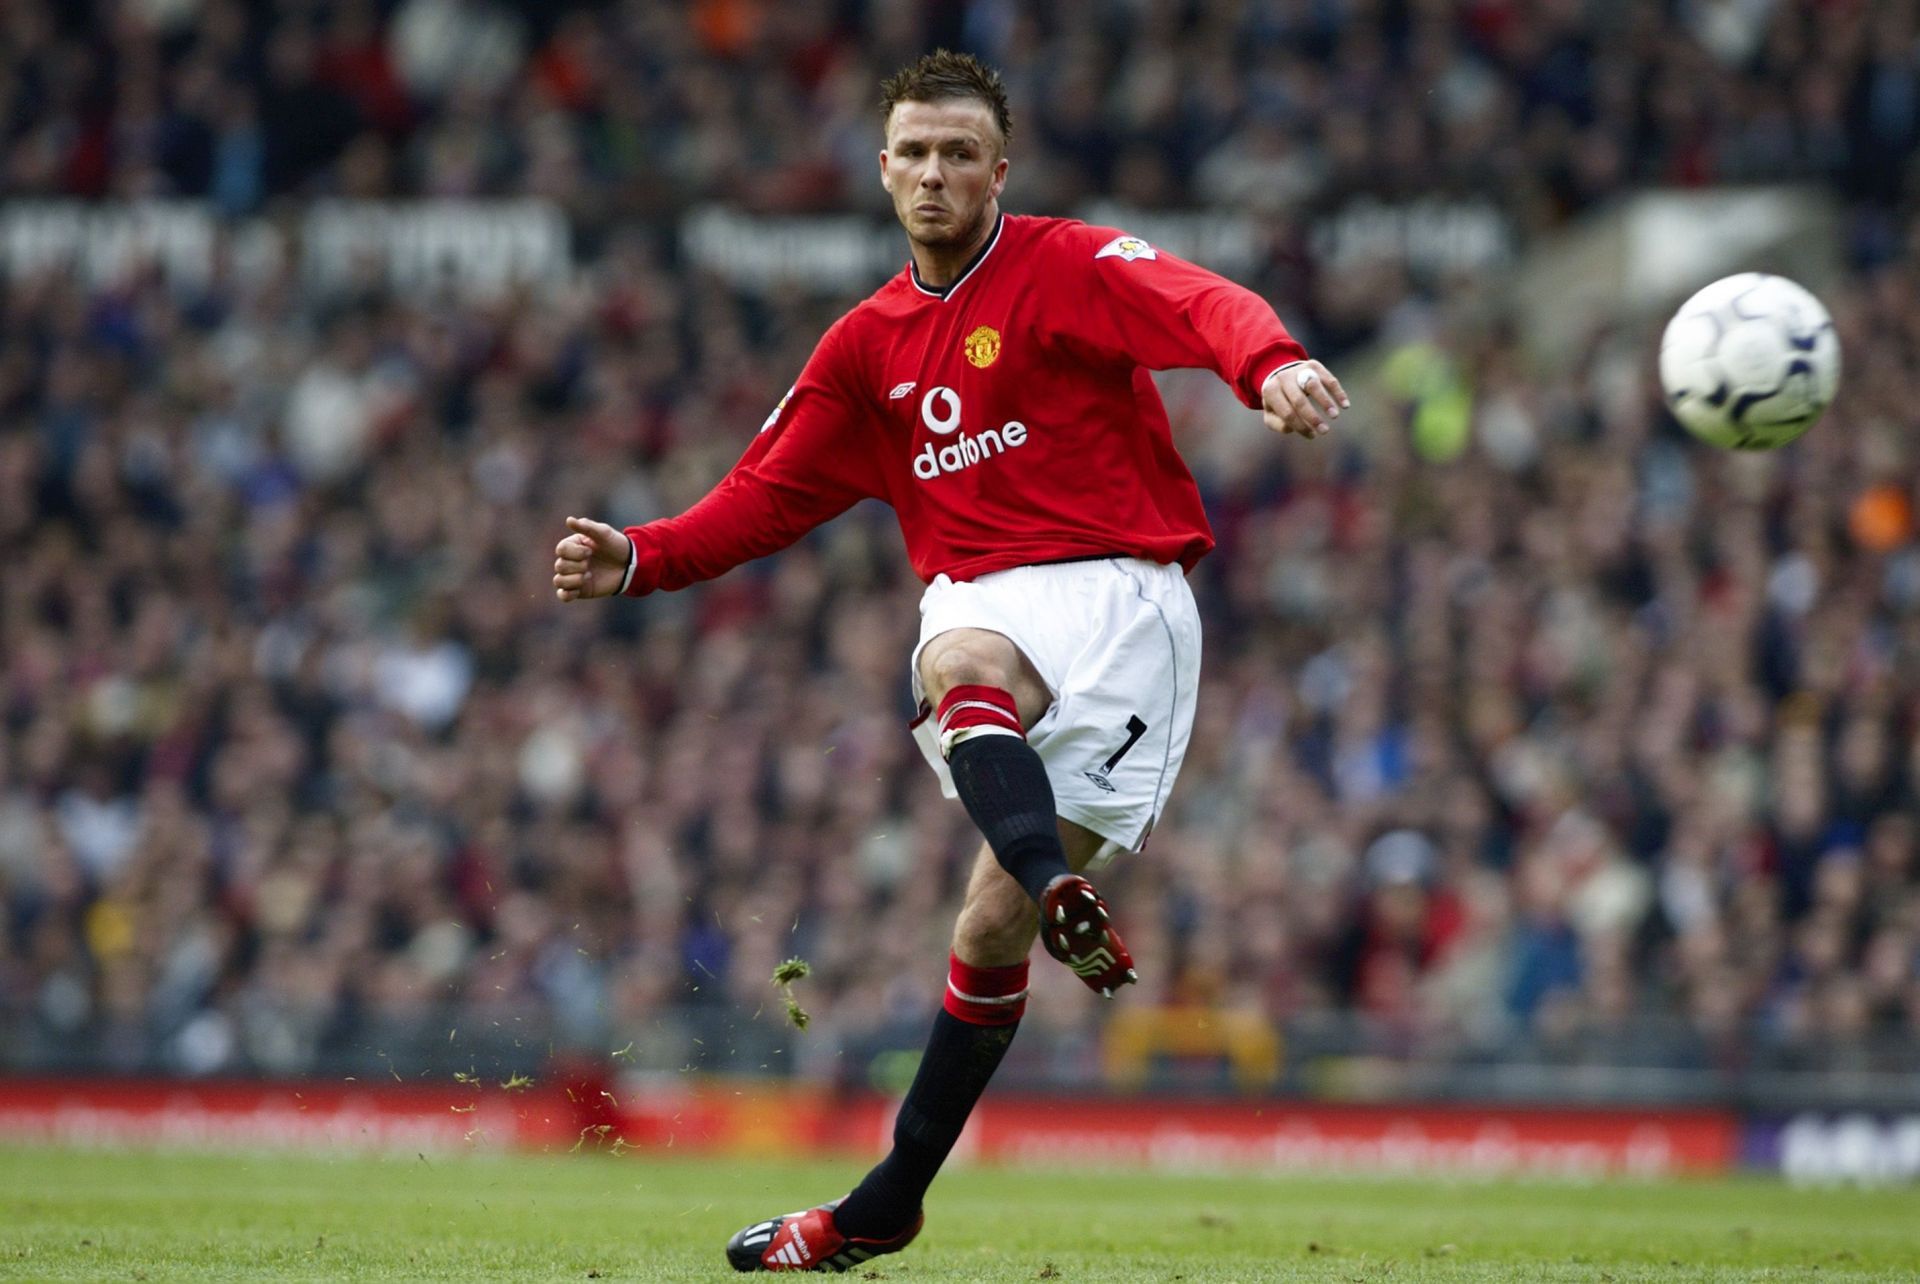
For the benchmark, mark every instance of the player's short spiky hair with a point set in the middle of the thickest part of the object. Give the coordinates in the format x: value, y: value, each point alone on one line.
x: 945, y: 74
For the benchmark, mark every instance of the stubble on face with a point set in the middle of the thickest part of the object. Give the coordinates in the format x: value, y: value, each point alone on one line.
x: 947, y: 234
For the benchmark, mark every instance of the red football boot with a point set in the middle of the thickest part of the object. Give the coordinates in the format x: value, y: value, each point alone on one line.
x: 1076, y: 930
x: 808, y: 1241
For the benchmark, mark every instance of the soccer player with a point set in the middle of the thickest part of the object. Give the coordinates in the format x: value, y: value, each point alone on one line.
x: 996, y: 393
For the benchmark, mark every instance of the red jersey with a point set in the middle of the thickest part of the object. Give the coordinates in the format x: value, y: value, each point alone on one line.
x: 1009, y: 417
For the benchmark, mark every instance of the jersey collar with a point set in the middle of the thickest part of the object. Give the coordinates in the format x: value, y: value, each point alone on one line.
x: 946, y: 291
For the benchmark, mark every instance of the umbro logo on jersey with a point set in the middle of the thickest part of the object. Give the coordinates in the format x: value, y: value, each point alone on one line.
x: 1126, y: 247
x: 902, y: 390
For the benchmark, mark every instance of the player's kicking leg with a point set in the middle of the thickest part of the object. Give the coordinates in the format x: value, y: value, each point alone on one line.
x: 985, y: 695
x: 986, y: 997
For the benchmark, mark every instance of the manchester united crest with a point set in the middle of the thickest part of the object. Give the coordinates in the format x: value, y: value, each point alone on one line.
x: 983, y: 346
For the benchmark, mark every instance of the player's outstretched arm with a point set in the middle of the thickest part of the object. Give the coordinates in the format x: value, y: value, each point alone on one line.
x: 1303, y: 397
x: 591, y: 561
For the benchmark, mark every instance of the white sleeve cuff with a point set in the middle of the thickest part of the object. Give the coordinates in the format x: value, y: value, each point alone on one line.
x: 1276, y: 370
x: 633, y: 564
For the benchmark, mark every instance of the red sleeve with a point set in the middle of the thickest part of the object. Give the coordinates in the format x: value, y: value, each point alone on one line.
x: 1165, y: 313
x: 810, y: 463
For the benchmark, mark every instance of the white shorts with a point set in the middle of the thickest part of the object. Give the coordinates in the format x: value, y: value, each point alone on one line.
x: 1117, y: 641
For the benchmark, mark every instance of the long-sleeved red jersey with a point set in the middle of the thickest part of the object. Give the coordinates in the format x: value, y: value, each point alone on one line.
x: 1008, y: 418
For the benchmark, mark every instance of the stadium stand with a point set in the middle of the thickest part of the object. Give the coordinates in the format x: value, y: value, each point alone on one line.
x: 1572, y: 738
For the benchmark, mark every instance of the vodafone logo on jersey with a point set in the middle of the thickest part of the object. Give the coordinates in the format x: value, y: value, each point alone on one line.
x: 940, y: 412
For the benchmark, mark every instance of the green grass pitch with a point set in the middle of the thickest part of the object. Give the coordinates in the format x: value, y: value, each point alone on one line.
x: 136, y: 1215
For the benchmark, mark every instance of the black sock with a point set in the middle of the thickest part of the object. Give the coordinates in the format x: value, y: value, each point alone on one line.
x: 1004, y: 786
x: 959, y: 1060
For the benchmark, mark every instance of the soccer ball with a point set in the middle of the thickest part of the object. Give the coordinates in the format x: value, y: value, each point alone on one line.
x: 1749, y: 362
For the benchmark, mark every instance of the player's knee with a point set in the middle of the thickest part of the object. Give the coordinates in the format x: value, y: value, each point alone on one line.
x: 965, y: 664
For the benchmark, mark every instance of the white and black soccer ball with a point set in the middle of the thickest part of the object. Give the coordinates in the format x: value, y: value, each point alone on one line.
x: 1749, y: 362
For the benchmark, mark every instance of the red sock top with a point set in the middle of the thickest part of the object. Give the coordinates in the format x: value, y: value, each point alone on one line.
x: 986, y: 995
x: 972, y: 709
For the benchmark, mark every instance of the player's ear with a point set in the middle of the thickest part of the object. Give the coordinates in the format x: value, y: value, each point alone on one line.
x: 999, y: 176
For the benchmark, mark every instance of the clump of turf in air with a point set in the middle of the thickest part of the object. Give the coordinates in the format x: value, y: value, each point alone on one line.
x: 784, y: 976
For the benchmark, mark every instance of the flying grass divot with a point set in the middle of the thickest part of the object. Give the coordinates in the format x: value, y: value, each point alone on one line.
x: 784, y: 976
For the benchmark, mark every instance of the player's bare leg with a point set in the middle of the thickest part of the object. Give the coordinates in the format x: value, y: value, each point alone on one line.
x: 997, y: 925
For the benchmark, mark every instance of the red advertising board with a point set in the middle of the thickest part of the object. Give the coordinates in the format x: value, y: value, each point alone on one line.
x: 1278, y: 1136
x: 756, y: 1117
x: 346, y: 1115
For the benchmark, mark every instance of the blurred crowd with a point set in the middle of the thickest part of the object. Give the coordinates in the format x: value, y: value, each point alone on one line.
x: 1572, y: 731
x: 1295, y: 110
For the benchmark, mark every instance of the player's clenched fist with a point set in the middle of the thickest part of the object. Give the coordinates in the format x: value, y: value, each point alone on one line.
x: 1304, y: 398
x: 590, y: 562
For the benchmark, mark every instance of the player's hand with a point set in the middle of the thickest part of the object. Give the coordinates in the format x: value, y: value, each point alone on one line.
x: 591, y: 561
x: 1304, y: 398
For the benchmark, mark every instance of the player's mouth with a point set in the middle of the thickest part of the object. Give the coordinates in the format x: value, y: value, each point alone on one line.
x: 927, y: 209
